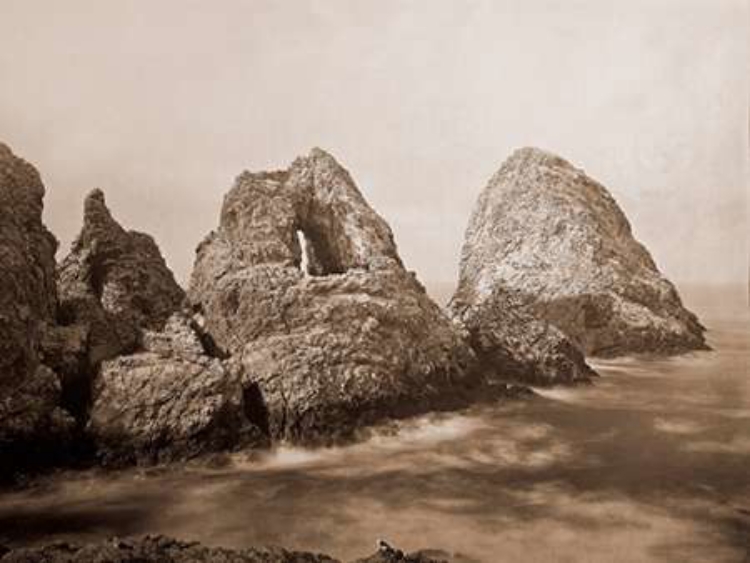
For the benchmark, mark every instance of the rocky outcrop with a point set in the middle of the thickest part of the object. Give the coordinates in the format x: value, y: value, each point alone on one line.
x: 155, y: 549
x: 302, y: 285
x: 134, y: 368
x: 163, y: 549
x: 557, y: 240
x: 169, y: 401
x: 115, y: 283
x: 32, y: 425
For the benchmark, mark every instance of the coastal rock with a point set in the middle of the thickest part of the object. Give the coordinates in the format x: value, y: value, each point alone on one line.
x: 115, y: 283
x: 170, y: 401
x: 32, y: 426
x: 303, y: 286
x: 557, y: 240
x: 155, y: 549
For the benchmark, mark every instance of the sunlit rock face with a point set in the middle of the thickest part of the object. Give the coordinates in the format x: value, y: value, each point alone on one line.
x: 31, y: 422
x: 557, y: 240
x: 303, y: 286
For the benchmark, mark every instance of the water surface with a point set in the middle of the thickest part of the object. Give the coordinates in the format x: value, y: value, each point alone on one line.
x: 650, y: 464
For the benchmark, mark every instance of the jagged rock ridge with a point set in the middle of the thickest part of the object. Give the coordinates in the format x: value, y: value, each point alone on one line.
x: 557, y: 240
x: 151, y: 391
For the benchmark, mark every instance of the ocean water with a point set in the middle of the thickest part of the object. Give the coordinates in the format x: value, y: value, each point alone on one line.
x: 650, y: 464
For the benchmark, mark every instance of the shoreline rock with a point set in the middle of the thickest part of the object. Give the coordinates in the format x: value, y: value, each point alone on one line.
x: 163, y: 549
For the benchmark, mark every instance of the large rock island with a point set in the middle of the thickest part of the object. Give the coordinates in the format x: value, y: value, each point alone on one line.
x: 301, y: 286
x: 557, y: 243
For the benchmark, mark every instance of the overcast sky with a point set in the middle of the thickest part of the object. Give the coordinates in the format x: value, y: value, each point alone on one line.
x: 161, y: 103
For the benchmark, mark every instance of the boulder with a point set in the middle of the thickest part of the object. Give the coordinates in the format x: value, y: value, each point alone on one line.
x: 513, y: 344
x: 557, y: 240
x: 170, y: 401
x: 32, y: 424
x: 303, y: 286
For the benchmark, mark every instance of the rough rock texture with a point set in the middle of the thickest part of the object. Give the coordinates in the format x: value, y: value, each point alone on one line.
x: 163, y: 549
x: 168, y: 402
x: 155, y: 549
x: 512, y: 344
x: 112, y: 286
x: 115, y: 283
x: 558, y: 240
x: 31, y: 422
x: 303, y: 286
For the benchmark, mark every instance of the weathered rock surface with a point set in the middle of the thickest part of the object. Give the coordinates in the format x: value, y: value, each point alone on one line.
x: 303, y: 286
x: 163, y: 549
x: 170, y: 401
x: 115, y: 283
x: 31, y: 422
x: 556, y: 238
x: 155, y: 549
x: 112, y: 286
x: 513, y: 344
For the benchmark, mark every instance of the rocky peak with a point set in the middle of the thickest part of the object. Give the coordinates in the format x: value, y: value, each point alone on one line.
x: 123, y: 270
x: 313, y: 209
x: 556, y: 237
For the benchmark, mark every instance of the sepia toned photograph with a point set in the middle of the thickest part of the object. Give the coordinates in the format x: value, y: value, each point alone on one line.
x: 375, y: 281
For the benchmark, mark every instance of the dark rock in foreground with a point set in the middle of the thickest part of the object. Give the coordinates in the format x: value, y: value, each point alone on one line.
x: 302, y: 285
x: 554, y: 237
x: 166, y: 550
x: 33, y: 427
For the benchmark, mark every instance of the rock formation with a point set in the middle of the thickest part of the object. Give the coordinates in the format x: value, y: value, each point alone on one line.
x: 302, y: 285
x: 556, y: 240
x: 163, y: 549
x: 131, y: 358
x: 114, y: 283
x: 31, y: 423
x: 169, y: 401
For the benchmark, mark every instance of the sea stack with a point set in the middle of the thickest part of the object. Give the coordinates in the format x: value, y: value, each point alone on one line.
x: 302, y: 285
x: 555, y: 239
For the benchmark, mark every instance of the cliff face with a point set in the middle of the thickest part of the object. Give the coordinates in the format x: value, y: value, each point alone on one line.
x: 31, y: 422
x: 558, y: 240
x: 302, y: 285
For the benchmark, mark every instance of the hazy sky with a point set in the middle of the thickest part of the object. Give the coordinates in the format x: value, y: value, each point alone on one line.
x: 161, y: 103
